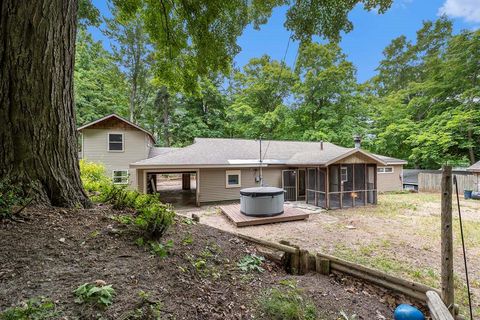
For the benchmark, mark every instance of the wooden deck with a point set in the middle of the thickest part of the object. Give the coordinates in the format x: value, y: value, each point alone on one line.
x: 232, y: 211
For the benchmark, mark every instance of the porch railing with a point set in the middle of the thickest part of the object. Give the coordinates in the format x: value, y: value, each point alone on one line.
x: 341, y: 199
x: 354, y: 198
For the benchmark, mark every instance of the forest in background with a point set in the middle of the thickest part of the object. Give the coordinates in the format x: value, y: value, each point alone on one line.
x: 423, y: 105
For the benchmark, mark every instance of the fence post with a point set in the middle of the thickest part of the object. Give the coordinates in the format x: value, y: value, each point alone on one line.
x: 447, y: 239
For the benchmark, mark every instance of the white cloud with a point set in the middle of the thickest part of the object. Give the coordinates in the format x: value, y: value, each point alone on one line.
x: 466, y: 9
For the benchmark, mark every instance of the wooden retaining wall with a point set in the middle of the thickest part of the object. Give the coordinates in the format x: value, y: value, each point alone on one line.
x: 431, y: 182
x: 299, y: 261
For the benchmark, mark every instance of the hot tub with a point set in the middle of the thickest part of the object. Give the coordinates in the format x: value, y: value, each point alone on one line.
x: 261, y: 201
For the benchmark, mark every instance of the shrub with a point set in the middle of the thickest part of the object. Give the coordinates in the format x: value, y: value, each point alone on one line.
x: 90, y: 292
x: 251, y: 263
x: 154, y: 218
x: 286, y: 304
x: 94, y: 178
x: 35, y: 308
x: 12, y: 199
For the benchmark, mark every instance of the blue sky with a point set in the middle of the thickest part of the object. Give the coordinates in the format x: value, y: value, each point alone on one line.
x: 364, y: 45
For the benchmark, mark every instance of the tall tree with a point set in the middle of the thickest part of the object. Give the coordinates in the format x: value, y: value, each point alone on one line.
x: 38, y: 132
x: 37, y: 53
x: 259, y: 105
x: 100, y: 87
x: 430, y: 116
x: 329, y: 106
x: 133, y: 54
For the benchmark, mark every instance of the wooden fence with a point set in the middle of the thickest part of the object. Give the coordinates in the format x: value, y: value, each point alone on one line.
x: 431, y: 182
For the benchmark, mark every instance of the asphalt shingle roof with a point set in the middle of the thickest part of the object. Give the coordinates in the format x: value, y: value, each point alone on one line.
x: 474, y: 167
x: 156, y: 151
x: 219, y: 151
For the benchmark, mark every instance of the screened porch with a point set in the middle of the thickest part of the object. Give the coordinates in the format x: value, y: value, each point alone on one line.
x: 334, y: 187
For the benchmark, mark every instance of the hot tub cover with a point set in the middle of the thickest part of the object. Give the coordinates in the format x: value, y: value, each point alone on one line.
x: 261, y: 191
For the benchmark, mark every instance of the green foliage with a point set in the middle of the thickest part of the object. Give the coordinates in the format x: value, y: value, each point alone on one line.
x: 93, y: 176
x: 159, y: 249
x: 422, y: 106
x: 32, y: 309
x: 285, y: 304
x: 187, y: 240
x: 91, y: 293
x: 147, y: 308
x: 189, y: 221
x: 251, y: 263
x: 153, y: 216
x: 426, y: 109
x: 197, y: 38
x: 12, y: 198
x: 100, y: 87
x: 133, y: 55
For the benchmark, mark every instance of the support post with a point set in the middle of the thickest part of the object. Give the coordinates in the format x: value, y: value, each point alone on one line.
x: 185, y: 181
x: 447, y: 239
x: 327, y: 188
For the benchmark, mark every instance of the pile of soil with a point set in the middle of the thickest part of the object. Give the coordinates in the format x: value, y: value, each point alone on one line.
x: 55, y: 250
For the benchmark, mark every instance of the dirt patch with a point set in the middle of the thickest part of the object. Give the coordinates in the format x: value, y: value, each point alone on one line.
x: 400, y: 236
x: 57, y: 250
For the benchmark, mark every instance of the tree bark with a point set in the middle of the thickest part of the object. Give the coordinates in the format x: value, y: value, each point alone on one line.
x: 162, y: 103
x: 471, y: 151
x: 38, y: 137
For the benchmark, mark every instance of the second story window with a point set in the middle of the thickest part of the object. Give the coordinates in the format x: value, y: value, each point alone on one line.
x: 115, y: 142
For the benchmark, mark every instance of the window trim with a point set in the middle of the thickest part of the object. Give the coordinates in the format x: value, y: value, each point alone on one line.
x: 232, y: 173
x: 381, y: 170
x: 127, y: 177
x: 123, y: 142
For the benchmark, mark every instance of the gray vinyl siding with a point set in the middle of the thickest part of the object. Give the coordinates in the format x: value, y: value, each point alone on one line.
x: 390, y: 181
x: 212, y: 182
x: 136, y: 147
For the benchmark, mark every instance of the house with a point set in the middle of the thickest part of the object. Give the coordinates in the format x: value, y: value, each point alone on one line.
x: 319, y: 173
x: 116, y: 142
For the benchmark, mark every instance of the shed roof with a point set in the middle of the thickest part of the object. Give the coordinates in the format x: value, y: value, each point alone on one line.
x: 243, y: 152
x: 117, y: 117
x: 474, y: 167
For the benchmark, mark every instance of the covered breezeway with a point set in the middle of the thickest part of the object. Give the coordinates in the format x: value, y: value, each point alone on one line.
x: 179, y: 188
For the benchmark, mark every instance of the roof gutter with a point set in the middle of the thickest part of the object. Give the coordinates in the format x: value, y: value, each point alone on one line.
x: 191, y: 166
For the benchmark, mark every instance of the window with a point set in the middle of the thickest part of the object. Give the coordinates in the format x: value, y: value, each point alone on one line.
x: 344, y: 174
x: 120, y: 176
x: 115, y: 142
x: 233, y: 179
x: 385, y: 169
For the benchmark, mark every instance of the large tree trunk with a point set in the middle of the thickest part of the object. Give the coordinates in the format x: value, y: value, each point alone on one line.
x: 38, y: 138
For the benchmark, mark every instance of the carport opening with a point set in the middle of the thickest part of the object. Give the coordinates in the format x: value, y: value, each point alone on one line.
x: 176, y: 188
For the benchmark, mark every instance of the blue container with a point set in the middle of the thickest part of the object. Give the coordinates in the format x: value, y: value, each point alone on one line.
x: 467, y: 194
x: 407, y: 312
